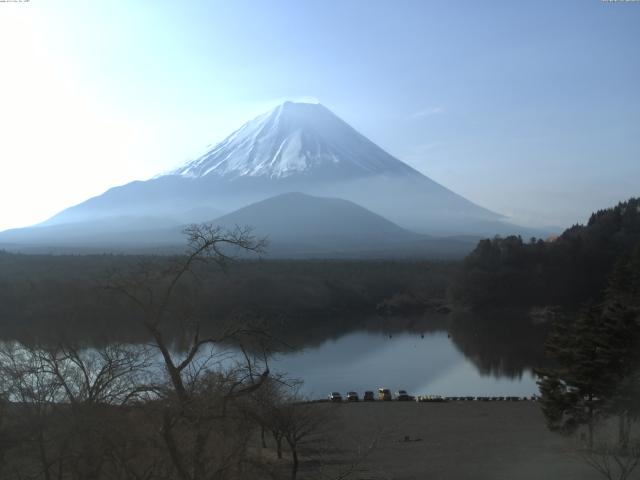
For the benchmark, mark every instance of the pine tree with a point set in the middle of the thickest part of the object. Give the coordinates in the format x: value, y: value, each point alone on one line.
x: 574, y: 393
x: 621, y: 322
x: 598, y: 360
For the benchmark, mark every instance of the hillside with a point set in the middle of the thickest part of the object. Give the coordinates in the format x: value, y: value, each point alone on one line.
x: 568, y: 270
x: 299, y: 225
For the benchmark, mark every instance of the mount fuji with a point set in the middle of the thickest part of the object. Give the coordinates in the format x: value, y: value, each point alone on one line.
x: 296, y: 147
x: 295, y: 140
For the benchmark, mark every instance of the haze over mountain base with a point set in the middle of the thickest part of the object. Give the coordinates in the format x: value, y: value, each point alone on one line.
x: 251, y: 176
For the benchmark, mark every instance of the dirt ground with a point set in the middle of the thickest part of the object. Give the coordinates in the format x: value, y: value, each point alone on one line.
x: 455, y: 440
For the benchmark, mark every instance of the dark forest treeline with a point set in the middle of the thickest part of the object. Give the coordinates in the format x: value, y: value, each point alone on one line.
x: 566, y: 271
x: 48, y: 295
x: 50, y: 298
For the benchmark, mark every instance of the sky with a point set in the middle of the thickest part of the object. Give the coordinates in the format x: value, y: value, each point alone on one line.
x: 531, y: 109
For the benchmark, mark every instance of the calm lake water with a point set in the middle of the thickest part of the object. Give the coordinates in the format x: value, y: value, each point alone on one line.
x: 429, y: 365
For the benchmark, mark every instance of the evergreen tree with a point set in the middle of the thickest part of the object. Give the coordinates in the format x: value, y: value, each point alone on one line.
x: 621, y: 320
x: 574, y: 393
x: 598, y: 360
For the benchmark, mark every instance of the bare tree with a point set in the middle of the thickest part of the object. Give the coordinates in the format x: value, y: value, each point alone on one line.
x: 154, y: 290
x: 64, y: 400
x: 196, y: 407
x: 301, y: 425
x: 35, y: 393
x: 265, y: 406
x: 611, y: 460
x: 279, y: 410
x: 109, y: 375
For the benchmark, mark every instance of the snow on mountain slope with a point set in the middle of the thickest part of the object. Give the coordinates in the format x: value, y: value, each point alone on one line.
x: 295, y: 139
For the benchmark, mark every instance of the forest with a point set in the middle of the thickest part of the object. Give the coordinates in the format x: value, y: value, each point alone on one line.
x: 70, y: 295
x: 564, y: 271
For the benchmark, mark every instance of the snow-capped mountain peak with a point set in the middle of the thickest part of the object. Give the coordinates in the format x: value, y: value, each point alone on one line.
x: 295, y: 139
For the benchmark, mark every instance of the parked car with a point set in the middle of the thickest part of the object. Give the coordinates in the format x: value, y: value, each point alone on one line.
x: 384, y: 394
x: 402, y: 396
x: 368, y: 396
x: 335, y: 397
x: 352, y: 397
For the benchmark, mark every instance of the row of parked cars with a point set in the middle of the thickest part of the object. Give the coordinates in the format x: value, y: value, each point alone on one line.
x: 383, y: 394
x: 401, y: 395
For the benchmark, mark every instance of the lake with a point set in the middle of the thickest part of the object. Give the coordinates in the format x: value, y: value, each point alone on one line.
x: 422, y: 364
x: 425, y: 356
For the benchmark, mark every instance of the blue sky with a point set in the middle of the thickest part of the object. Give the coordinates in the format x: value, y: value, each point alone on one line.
x: 531, y: 109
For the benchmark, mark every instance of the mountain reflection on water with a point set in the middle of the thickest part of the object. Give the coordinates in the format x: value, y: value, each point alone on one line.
x: 459, y: 355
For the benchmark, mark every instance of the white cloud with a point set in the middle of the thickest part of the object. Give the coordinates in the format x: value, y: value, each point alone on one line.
x: 427, y: 112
